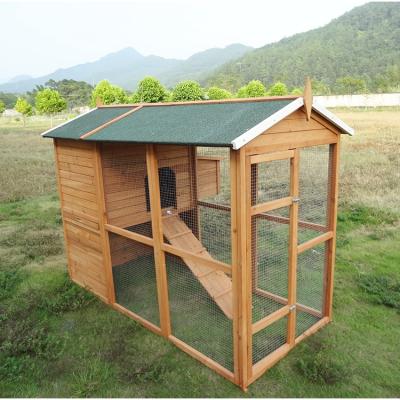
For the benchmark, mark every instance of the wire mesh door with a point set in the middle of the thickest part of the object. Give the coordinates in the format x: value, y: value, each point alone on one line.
x: 274, y: 190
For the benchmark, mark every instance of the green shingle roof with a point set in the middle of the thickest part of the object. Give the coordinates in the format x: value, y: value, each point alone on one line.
x: 75, y: 128
x: 207, y: 124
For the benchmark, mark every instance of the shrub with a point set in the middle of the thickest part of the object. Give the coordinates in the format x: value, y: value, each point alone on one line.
x: 108, y: 94
x: 252, y: 89
x: 150, y: 90
x: 187, y: 91
x: 216, y: 93
x: 278, y: 89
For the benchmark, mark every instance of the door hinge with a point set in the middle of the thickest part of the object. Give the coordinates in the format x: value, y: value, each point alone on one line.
x: 292, y: 307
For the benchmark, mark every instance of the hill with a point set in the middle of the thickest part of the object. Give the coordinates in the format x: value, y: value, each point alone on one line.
x: 127, y: 66
x: 364, y: 42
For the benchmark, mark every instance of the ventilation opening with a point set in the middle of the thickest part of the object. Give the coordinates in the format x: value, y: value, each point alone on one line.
x: 167, y: 182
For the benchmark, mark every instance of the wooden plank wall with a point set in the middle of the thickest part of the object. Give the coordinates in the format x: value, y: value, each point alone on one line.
x: 208, y: 176
x: 124, y: 172
x: 75, y: 163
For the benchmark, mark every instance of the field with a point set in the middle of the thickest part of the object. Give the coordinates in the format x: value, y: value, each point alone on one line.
x: 56, y: 340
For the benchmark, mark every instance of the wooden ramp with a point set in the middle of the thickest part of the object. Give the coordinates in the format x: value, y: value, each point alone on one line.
x: 217, y: 283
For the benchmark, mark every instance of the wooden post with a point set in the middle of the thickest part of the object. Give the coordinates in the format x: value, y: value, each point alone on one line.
x: 240, y: 277
x: 254, y: 195
x: 102, y: 223
x: 156, y: 224
x: 332, y: 222
x: 292, y: 273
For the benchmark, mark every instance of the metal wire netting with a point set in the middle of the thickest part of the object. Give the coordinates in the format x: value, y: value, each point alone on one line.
x: 125, y: 187
x: 270, y: 180
x: 270, y: 271
x: 134, y: 277
x: 195, y: 317
x: 269, y: 339
x: 313, y: 188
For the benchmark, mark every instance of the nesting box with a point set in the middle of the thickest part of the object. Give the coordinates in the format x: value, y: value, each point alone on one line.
x: 210, y: 223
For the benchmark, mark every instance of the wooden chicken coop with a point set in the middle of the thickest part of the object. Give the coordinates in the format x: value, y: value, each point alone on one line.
x: 211, y: 223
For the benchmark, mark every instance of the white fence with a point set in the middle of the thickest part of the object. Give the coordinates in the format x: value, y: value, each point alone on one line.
x: 360, y: 100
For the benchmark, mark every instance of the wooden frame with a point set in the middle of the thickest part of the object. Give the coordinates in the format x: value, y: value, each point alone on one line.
x: 87, y: 214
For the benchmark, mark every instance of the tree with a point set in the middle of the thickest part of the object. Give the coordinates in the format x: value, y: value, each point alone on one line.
x: 108, y: 94
x: 187, y: 91
x: 150, y: 90
x: 9, y: 99
x: 2, y: 107
x: 23, y: 107
x: 252, y: 89
x: 320, y: 88
x: 297, y: 91
x: 49, y: 101
x: 278, y: 89
x: 76, y: 93
x: 350, y: 85
x: 216, y: 93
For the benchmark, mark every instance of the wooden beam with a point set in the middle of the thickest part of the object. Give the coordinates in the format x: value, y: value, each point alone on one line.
x: 158, y: 238
x: 314, y: 242
x: 102, y: 222
x: 99, y: 128
x: 313, y: 329
x: 269, y: 361
x: 332, y: 222
x: 270, y: 319
x: 266, y: 157
x: 308, y: 98
x: 271, y: 205
x: 202, y: 358
x: 253, y: 248
x: 138, y: 318
x: 130, y: 235
x: 292, y: 259
x: 207, y: 262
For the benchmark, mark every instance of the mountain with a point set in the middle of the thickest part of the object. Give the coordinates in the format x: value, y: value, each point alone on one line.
x: 127, y: 67
x: 364, y: 42
x: 20, y: 78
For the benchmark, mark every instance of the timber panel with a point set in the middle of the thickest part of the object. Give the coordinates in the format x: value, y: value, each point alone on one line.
x: 81, y: 214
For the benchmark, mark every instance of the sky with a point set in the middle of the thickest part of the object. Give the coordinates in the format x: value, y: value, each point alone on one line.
x: 39, y: 37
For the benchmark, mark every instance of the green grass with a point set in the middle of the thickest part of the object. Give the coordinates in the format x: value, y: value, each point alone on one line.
x: 57, y: 340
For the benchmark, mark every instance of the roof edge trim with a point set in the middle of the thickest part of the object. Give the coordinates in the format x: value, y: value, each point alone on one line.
x: 333, y: 118
x: 267, y: 123
x: 68, y: 121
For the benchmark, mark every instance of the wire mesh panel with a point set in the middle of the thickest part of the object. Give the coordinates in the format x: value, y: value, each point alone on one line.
x: 310, y: 286
x: 125, y: 183
x: 270, y: 262
x: 196, y: 319
x: 269, y: 339
x: 134, y: 277
x: 270, y: 180
x: 313, y: 187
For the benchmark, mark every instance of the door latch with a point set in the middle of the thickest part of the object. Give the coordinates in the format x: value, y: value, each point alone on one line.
x: 296, y: 199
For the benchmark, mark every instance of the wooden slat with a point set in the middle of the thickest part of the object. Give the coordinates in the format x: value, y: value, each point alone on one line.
x: 202, y: 358
x: 159, y: 255
x: 313, y: 329
x: 130, y: 235
x: 314, y: 242
x: 266, y: 157
x: 292, y: 260
x: 270, y: 319
x: 267, y: 362
x: 80, y: 186
x: 332, y: 222
x: 266, y: 143
x: 271, y: 205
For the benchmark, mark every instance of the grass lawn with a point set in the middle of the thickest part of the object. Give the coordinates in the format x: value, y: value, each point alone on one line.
x: 56, y: 340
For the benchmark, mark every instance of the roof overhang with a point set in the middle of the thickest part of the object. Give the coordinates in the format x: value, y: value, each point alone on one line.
x: 267, y: 123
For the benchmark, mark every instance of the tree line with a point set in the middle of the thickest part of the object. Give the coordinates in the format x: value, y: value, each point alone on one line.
x: 57, y: 96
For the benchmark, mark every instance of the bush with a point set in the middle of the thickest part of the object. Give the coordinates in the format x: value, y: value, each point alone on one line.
x: 108, y: 94
x: 381, y: 289
x: 278, y: 89
x: 216, y: 93
x: 252, y: 89
x: 187, y: 91
x: 150, y: 90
